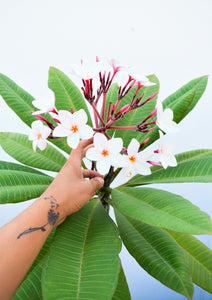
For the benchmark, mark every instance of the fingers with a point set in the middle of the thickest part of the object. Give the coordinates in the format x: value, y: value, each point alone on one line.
x: 90, y: 174
x: 95, y: 184
x: 78, y: 153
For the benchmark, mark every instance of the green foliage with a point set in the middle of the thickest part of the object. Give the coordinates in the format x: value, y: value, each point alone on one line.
x: 83, y: 258
x: 193, y: 166
x: 181, y: 102
x: 161, y: 209
x: 153, y: 249
x: 199, y: 259
x: 66, y: 93
x: 19, y: 147
x: 81, y: 261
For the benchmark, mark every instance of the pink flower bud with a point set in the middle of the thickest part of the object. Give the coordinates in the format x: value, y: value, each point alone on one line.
x: 124, y: 108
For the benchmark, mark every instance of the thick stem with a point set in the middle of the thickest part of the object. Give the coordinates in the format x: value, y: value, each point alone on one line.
x: 103, y: 105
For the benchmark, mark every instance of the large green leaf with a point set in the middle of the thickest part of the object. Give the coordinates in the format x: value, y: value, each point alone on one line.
x: 83, y: 262
x: 17, y: 186
x: 156, y: 252
x: 199, y: 258
x: 17, y: 99
x: 21, y: 103
x: 161, y: 209
x: 193, y: 166
x: 122, y: 289
x: 19, y: 147
x: 199, y: 84
x: 136, y: 116
x: 4, y: 165
x: 30, y: 288
x: 67, y: 94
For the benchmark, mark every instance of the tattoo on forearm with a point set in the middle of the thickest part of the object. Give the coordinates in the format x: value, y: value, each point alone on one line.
x: 52, y: 217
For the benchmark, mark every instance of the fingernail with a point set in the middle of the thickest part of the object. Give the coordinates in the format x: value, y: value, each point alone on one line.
x: 101, y: 180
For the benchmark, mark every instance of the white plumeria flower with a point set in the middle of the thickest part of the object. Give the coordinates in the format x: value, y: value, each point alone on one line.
x: 44, y: 105
x: 165, y: 152
x: 86, y: 71
x: 38, y: 135
x: 136, y: 162
x: 73, y: 126
x: 165, y: 119
x: 143, y: 80
x: 106, y: 153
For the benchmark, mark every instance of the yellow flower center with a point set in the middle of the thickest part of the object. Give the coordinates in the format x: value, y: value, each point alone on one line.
x: 105, y: 152
x: 74, y: 128
x: 132, y: 159
x: 39, y: 136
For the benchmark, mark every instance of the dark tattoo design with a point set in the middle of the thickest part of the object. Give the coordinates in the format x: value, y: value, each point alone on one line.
x: 52, y: 217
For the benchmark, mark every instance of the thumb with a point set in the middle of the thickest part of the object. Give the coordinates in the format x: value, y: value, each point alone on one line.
x: 96, y: 183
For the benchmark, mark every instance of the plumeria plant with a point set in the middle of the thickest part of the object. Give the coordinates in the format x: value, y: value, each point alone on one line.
x: 129, y: 126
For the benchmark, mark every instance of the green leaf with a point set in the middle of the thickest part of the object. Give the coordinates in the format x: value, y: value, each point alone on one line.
x: 199, y: 258
x: 193, y: 166
x: 83, y: 262
x: 21, y: 103
x: 122, y: 289
x: 136, y: 116
x: 19, y: 147
x: 18, y: 186
x: 161, y: 209
x: 199, y: 84
x: 17, y: 99
x: 30, y: 288
x: 157, y: 253
x: 66, y: 93
x: 4, y: 165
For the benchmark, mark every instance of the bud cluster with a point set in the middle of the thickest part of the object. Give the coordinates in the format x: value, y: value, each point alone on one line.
x: 107, y: 151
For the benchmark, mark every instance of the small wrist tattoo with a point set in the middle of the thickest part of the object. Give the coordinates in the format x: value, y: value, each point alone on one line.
x: 52, y: 217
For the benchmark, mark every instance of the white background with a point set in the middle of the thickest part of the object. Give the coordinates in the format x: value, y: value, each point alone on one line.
x: 171, y: 39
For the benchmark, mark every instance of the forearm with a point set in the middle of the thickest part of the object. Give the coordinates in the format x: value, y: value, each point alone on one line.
x: 22, y: 239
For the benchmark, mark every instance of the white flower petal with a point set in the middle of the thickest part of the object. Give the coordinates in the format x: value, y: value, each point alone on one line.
x: 80, y: 117
x: 42, y: 144
x: 128, y: 172
x: 65, y: 117
x: 73, y: 140
x: 163, y: 160
x: 45, y: 132
x: 37, y: 125
x: 143, y: 168
x: 92, y: 154
x: 61, y: 131
x: 103, y: 165
x: 34, y: 145
x: 133, y: 147
x: 115, y: 145
x: 118, y: 160
x: 145, y: 155
x: 100, y: 141
x: 171, y: 160
x: 86, y: 132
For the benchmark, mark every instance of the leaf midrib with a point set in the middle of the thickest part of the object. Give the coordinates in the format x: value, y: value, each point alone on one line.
x: 163, y: 212
x: 37, y: 153
x: 15, y: 92
x: 182, y: 161
x: 166, y: 262
x: 83, y: 248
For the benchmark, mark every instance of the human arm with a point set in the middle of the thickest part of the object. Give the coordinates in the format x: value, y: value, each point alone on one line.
x: 22, y: 238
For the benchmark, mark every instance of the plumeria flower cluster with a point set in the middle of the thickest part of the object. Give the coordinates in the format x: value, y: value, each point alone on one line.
x: 108, y: 152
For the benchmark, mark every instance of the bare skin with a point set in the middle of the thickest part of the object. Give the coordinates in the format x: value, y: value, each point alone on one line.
x: 22, y: 238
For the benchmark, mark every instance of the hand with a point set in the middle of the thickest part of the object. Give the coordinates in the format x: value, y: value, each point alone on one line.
x: 70, y: 188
